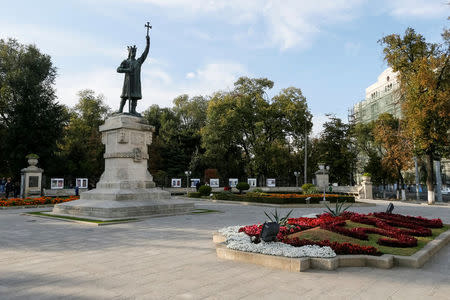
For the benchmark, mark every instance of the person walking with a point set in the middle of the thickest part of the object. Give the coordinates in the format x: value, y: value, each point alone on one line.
x: 9, y: 187
x: 2, y: 185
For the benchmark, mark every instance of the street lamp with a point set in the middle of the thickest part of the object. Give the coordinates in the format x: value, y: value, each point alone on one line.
x: 296, y: 174
x: 188, y: 173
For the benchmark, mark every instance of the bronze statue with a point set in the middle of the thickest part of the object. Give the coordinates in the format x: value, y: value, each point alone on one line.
x: 132, y: 83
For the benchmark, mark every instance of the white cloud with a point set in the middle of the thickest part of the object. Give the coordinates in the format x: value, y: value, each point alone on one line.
x: 190, y: 75
x: 286, y: 24
x: 418, y: 8
x: 60, y: 42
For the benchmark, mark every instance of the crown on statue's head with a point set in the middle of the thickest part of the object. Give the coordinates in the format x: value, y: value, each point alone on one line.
x: 131, y: 49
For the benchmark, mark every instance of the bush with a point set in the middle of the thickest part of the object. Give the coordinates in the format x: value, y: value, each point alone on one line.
x: 194, y: 195
x: 309, y: 188
x: 205, y: 190
x: 242, y: 186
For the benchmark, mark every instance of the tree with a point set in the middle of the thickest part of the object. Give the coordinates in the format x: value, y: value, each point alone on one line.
x: 30, y: 118
x: 243, y: 127
x: 423, y: 70
x: 82, y: 148
x: 335, y: 150
x: 396, y: 147
x: 369, y: 153
x: 176, y: 145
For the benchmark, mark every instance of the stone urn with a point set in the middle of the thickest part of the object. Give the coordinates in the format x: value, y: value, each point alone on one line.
x: 32, y: 161
x: 366, y: 178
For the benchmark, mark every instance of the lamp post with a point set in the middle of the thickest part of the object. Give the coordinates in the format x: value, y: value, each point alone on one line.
x: 188, y: 173
x: 296, y: 174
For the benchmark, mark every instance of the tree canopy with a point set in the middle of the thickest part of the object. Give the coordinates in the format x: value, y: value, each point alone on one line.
x: 31, y: 120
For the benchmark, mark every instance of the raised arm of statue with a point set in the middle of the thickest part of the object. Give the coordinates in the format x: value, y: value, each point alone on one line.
x: 144, y: 54
x: 124, y: 67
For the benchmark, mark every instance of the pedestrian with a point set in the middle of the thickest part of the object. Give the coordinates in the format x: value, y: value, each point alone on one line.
x: 9, y: 187
x: 16, y: 189
x: 197, y: 185
x: 2, y: 185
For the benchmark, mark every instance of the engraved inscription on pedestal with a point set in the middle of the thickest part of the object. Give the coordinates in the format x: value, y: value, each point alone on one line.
x: 33, y: 181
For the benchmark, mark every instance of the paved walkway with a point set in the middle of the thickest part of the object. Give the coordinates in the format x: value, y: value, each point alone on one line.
x: 174, y: 258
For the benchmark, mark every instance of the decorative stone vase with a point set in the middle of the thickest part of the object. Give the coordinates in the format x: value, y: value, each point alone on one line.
x: 366, y: 178
x: 32, y: 161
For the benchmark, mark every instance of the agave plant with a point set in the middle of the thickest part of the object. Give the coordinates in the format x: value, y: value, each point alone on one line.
x: 338, y: 210
x: 278, y: 219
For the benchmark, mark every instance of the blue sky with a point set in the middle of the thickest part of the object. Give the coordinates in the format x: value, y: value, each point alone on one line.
x: 327, y: 48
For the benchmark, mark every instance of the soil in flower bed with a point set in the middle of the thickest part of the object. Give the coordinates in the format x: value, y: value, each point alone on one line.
x: 319, y: 234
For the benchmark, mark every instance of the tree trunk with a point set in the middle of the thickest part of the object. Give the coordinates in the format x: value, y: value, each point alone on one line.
x: 402, y: 182
x: 430, y: 186
x: 398, y: 189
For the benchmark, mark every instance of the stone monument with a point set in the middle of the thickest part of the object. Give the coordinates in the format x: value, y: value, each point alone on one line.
x: 126, y: 188
x: 31, y: 178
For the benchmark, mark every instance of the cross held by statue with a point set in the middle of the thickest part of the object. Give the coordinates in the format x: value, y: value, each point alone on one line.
x: 148, y: 26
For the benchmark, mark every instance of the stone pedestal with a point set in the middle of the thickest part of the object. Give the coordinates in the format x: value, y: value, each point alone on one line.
x: 31, y: 179
x: 322, y: 179
x: 367, y: 188
x: 126, y: 187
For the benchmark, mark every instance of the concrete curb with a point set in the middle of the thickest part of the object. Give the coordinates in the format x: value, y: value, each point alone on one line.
x: 386, y: 261
x: 27, y: 206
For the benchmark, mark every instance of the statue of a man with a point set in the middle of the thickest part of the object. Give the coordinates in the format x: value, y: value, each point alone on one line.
x: 132, y: 84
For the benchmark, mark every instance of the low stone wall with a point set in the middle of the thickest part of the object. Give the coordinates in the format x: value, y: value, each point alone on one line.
x: 61, y: 192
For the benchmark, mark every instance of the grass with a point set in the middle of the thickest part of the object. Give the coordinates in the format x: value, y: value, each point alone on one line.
x: 44, y: 213
x: 318, y: 234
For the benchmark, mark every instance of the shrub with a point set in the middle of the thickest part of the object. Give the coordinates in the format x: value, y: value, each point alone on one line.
x: 242, y: 186
x: 309, y: 188
x: 194, y: 195
x: 205, y: 190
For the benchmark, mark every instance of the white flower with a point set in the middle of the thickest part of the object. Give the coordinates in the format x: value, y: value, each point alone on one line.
x: 241, y: 241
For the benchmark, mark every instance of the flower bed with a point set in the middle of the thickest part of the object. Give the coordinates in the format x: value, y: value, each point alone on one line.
x: 371, y: 234
x: 283, y: 198
x: 35, y: 201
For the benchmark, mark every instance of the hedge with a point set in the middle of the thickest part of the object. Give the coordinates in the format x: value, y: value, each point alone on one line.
x: 194, y: 195
x: 274, y: 200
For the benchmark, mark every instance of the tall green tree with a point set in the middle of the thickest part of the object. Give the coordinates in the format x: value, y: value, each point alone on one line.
x: 176, y: 145
x: 335, y: 150
x: 82, y: 148
x: 31, y: 120
x: 424, y: 73
x: 244, y: 127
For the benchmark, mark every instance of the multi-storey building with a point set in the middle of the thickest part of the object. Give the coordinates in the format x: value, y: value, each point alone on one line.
x: 383, y: 97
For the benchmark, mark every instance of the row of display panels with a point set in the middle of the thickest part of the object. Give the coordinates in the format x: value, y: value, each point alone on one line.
x: 214, y: 182
x: 58, y: 183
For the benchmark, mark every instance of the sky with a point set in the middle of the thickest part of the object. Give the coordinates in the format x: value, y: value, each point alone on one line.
x: 327, y: 48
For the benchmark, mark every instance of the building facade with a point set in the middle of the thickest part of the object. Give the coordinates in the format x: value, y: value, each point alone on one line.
x: 383, y: 97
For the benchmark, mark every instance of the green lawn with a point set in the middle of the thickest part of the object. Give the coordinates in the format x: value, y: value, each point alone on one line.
x: 317, y: 234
